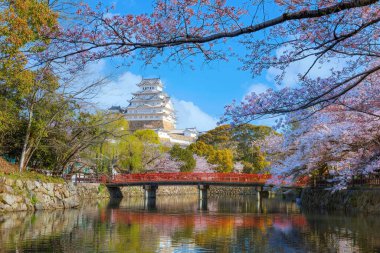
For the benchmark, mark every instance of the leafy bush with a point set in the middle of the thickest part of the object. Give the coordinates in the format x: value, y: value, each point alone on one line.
x: 223, y: 158
x: 185, y: 156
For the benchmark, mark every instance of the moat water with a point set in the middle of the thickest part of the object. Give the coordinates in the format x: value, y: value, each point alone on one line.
x: 230, y: 224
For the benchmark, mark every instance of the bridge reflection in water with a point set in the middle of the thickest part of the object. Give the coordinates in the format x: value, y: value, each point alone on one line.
x: 168, y: 216
x: 169, y: 223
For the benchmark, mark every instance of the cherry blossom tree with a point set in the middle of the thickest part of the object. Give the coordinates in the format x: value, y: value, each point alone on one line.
x: 275, y: 34
x: 338, y: 140
x: 202, y: 165
x: 168, y: 164
x: 165, y: 164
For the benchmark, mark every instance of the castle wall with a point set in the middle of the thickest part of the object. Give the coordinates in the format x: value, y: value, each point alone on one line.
x: 150, y: 124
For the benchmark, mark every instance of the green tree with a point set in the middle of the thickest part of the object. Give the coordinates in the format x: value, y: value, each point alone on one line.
x: 107, y: 152
x: 185, y: 156
x: 22, y: 23
x: 223, y: 158
x: 127, y: 152
x: 240, y: 140
x: 202, y: 149
x: 255, y: 162
x: 219, y: 137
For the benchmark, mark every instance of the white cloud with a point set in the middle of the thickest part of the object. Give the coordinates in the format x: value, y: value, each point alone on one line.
x: 190, y: 115
x: 112, y: 92
x: 257, y: 88
x: 117, y: 92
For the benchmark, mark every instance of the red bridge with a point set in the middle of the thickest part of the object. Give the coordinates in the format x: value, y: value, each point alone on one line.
x: 151, y: 182
x: 187, y: 178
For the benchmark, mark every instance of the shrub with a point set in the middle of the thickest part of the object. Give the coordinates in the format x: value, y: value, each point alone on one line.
x: 185, y: 156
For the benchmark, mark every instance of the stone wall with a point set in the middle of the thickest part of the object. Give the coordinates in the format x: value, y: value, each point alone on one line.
x: 231, y: 191
x: 161, y: 191
x: 182, y: 190
x: 354, y: 200
x: 150, y: 124
x: 21, y: 195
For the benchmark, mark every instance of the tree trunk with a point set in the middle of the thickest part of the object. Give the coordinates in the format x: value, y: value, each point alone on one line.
x: 26, y: 141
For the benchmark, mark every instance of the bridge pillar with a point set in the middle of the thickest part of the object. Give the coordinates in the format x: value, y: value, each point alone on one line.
x: 261, y: 192
x: 202, y: 197
x: 150, y: 196
x: 202, y: 191
x: 115, y: 192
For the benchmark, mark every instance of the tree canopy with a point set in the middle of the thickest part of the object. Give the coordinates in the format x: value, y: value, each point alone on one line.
x: 185, y: 156
x: 240, y: 141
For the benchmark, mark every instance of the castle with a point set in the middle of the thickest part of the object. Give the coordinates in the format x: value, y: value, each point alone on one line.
x: 152, y: 108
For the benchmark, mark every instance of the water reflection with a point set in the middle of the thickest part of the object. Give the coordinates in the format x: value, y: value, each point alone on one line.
x: 177, y: 225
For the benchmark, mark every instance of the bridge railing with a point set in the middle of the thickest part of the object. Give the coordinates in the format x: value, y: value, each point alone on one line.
x: 186, y: 177
x: 87, y: 178
x: 191, y: 177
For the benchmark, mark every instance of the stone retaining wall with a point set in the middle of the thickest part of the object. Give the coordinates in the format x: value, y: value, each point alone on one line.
x: 354, y: 200
x: 182, y: 190
x: 231, y: 191
x: 161, y: 191
x: 22, y: 195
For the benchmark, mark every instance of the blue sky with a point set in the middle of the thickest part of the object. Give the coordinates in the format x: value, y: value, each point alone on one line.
x: 199, y: 94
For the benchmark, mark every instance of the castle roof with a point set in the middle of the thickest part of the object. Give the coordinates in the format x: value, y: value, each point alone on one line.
x: 151, y: 82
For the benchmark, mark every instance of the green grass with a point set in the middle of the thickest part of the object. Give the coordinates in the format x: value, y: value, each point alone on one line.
x: 34, y: 176
x: 33, y: 200
x: 101, y: 188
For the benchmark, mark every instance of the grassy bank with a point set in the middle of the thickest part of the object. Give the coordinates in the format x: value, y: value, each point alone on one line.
x: 10, y: 171
x: 32, y: 176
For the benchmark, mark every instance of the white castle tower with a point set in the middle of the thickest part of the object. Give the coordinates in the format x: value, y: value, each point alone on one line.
x: 150, y: 107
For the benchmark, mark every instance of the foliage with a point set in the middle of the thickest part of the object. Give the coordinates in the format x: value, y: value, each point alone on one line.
x: 219, y: 137
x: 256, y: 162
x: 223, y: 158
x: 126, y: 152
x: 102, y: 188
x: 202, y: 149
x: 185, y: 156
x: 42, y: 121
x: 21, y: 24
x: 33, y: 200
x: 240, y: 140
